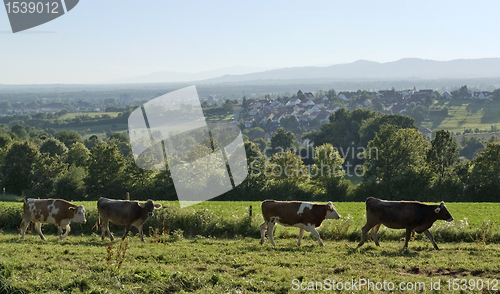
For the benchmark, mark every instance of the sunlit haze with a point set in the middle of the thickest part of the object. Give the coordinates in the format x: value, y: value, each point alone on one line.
x: 104, y: 41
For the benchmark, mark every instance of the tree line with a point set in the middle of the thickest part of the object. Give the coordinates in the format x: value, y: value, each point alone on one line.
x: 393, y: 159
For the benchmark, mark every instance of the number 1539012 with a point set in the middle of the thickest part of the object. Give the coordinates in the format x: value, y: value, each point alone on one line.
x: 32, y: 7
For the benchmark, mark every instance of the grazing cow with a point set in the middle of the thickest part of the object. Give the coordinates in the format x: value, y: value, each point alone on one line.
x: 304, y: 215
x: 409, y: 215
x: 124, y: 212
x: 51, y: 211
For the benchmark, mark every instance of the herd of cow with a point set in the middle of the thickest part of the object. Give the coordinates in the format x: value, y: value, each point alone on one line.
x: 409, y: 215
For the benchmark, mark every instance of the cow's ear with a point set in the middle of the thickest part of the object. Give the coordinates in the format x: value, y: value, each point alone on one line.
x: 437, y: 210
x: 157, y: 205
x: 442, y: 204
x: 141, y: 205
x: 330, y: 205
x: 72, y: 208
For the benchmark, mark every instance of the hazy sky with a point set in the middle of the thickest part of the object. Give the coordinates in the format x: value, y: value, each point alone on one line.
x: 101, y: 40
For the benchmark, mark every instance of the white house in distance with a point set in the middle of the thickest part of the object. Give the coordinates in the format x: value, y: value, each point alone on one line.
x: 446, y: 95
x: 426, y: 132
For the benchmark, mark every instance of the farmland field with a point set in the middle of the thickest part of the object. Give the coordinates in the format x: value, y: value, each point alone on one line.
x: 480, y: 116
x: 214, y: 247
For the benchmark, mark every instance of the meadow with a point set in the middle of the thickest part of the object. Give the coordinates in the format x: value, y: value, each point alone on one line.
x: 482, y: 115
x: 213, y: 247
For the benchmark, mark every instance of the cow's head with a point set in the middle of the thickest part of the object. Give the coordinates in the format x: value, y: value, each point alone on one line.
x: 79, y: 216
x: 331, y: 213
x: 442, y: 212
x: 149, y: 206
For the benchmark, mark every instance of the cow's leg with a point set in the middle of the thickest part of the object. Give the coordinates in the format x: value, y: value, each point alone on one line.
x: 24, y: 226
x: 38, y: 229
x: 127, y: 229
x: 105, y: 228
x: 59, y: 232
x: 68, y: 229
x: 407, y: 237
x: 141, y: 233
x: 301, y: 233
x: 365, y: 230
x: 374, y: 231
x: 312, y: 229
x: 270, y: 232
x: 263, y: 229
x: 429, y: 235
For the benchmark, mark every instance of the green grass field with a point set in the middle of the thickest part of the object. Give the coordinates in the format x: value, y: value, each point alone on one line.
x: 481, y: 116
x: 72, y: 115
x: 213, y: 247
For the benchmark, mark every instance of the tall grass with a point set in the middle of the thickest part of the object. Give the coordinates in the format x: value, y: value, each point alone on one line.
x: 232, y: 220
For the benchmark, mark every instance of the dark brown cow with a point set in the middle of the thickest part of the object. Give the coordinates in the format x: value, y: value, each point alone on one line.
x: 124, y: 212
x: 304, y: 215
x: 409, y: 215
x: 51, y: 211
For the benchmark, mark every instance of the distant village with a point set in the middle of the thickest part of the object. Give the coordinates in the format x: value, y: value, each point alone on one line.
x: 311, y: 111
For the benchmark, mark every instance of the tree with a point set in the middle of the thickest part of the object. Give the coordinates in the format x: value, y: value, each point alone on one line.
x: 443, y: 153
x: 53, y: 147
x: 378, y: 106
x: 18, y: 166
x: 69, y: 137
x: 91, y: 142
x: 282, y: 140
x: 470, y: 146
x: 484, y: 177
x: 71, y: 185
x: 327, y: 167
x: 256, y: 164
x: 228, y: 106
x: 261, y: 143
x: 496, y: 95
x: 300, y: 95
x: 393, y: 152
x: 45, y: 170
x: 288, y: 167
x: 78, y: 155
x: 372, y: 125
x: 244, y: 104
x: 289, y: 123
x: 20, y: 132
x: 105, y: 169
x: 418, y: 111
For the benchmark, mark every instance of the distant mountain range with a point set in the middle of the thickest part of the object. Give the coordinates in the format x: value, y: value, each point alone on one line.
x: 176, y: 77
x: 403, y: 69
x: 407, y: 68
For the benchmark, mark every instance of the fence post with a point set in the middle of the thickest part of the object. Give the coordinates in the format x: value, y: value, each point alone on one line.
x: 250, y: 210
x: 127, y: 196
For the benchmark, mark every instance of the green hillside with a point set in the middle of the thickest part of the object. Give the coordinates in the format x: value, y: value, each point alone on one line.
x: 482, y: 115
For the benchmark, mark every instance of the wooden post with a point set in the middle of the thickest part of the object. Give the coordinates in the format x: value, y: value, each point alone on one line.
x: 127, y: 196
x: 250, y: 211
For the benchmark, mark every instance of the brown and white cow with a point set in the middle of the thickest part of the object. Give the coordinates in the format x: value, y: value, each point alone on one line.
x: 409, y: 215
x: 304, y: 215
x: 124, y: 212
x: 51, y: 211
